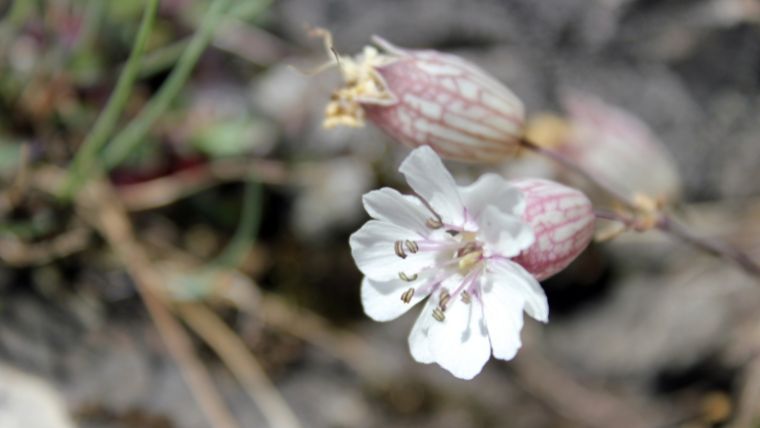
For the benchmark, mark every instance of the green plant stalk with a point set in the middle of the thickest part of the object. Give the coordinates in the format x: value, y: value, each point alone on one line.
x: 248, y: 226
x: 18, y: 12
x: 250, y: 9
x: 162, y: 58
x: 85, y: 161
x: 134, y: 134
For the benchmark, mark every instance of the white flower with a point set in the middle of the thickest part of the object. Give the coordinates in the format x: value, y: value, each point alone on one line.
x: 454, y: 246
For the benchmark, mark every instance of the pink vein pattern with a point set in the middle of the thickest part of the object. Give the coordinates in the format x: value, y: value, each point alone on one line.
x: 451, y: 105
x: 563, y: 222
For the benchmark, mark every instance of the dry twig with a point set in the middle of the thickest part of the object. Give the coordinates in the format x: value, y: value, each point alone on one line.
x: 99, y: 205
x: 15, y: 252
x: 166, y: 190
x: 569, y: 398
x: 241, y: 362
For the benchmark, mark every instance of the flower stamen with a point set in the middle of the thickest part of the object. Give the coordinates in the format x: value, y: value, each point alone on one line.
x: 466, y: 298
x: 407, y: 295
x: 407, y: 278
x: 398, y: 247
x: 434, y: 223
x: 411, y: 246
x: 438, y: 314
x: 444, y: 299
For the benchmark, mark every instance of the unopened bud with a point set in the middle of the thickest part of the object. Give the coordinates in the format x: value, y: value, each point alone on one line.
x: 618, y: 148
x: 424, y: 97
x: 563, y: 221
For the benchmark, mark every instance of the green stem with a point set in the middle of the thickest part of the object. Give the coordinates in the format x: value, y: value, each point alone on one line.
x: 17, y: 14
x: 85, y: 161
x: 162, y: 58
x: 250, y: 9
x: 134, y: 134
x: 245, y: 235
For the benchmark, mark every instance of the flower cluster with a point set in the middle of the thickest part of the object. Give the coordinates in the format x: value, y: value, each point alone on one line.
x: 474, y: 254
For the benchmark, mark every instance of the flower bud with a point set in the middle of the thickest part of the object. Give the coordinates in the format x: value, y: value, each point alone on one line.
x: 562, y: 219
x: 618, y: 148
x: 424, y: 97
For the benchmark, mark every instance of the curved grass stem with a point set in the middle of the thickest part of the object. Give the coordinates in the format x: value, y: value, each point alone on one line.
x: 86, y: 158
x: 134, y: 134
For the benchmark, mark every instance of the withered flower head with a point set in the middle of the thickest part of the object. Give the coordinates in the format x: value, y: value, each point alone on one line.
x: 425, y: 97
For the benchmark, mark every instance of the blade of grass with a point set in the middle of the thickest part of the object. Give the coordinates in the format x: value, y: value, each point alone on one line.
x: 86, y: 158
x: 13, y: 20
x: 134, y: 134
x: 162, y: 58
x: 250, y: 218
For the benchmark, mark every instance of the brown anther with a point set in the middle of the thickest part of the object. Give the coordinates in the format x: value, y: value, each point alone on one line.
x: 443, y: 300
x: 438, y: 314
x: 466, y: 298
x: 411, y: 246
x: 407, y: 295
x: 407, y: 278
x: 452, y: 232
x: 434, y: 223
x: 398, y: 246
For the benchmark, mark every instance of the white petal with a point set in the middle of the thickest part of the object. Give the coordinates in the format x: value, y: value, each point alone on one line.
x: 391, y: 206
x: 427, y: 176
x: 372, y: 247
x: 382, y: 299
x: 505, y: 234
x: 522, y: 282
x: 492, y: 190
x: 419, y: 340
x: 460, y: 342
x: 503, y: 309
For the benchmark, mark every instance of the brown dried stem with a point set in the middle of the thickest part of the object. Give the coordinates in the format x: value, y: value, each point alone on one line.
x: 571, y: 165
x: 239, y: 359
x: 100, y: 207
x: 166, y: 190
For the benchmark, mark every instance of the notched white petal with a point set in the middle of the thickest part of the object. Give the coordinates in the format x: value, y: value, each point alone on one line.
x: 506, y: 235
x: 384, y: 300
x: 460, y: 342
x: 373, y: 248
x: 419, y: 337
x: 429, y: 178
x: 492, y: 190
x: 516, y: 277
x: 389, y: 205
x: 503, y: 310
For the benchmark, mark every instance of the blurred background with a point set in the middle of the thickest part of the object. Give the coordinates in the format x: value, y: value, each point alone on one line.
x: 174, y: 243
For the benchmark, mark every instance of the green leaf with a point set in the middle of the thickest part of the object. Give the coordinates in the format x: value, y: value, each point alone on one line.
x: 233, y: 137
